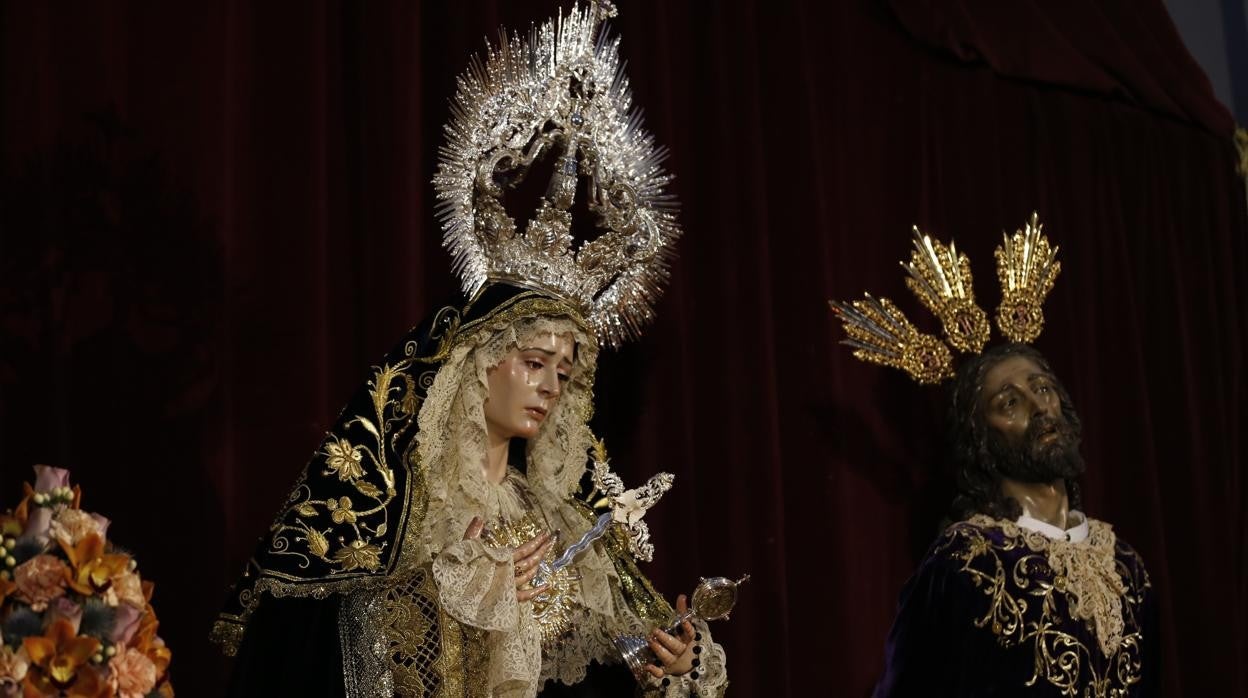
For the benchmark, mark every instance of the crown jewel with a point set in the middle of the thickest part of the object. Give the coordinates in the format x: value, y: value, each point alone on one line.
x: 940, y: 277
x: 560, y: 95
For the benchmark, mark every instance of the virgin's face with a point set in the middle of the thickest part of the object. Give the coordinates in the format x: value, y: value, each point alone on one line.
x: 525, y: 386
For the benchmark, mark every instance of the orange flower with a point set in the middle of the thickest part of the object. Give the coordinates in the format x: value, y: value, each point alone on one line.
x: 147, y: 642
x: 22, y: 512
x: 161, y: 656
x: 90, y: 684
x: 93, y: 570
x: 57, y: 661
x: 146, y: 635
x: 10, y: 525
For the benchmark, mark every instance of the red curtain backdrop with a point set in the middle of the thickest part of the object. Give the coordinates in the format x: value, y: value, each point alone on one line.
x: 215, y: 217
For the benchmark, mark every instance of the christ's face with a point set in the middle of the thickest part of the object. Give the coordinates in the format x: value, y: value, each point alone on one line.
x: 1029, y: 435
x: 1017, y: 392
x: 526, y: 385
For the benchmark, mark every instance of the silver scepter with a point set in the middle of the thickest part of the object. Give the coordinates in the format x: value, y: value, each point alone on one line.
x: 546, y: 570
x: 713, y: 599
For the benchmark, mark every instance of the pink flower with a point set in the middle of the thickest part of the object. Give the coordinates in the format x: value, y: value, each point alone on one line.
x: 38, y: 523
x: 50, y: 478
x: 39, y: 580
x: 13, y: 667
x: 131, y: 674
x: 102, y: 523
x: 127, y: 624
x: 66, y: 609
x: 72, y: 525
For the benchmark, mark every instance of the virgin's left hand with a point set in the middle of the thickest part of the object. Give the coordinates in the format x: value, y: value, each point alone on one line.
x: 674, y: 652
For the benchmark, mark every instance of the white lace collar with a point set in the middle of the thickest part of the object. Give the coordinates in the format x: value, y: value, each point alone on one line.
x: 1075, y: 534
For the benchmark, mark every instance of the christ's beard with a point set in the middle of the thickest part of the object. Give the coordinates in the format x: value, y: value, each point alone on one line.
x: 1036, y: 461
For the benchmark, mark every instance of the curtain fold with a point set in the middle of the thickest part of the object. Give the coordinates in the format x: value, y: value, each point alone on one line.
x: 1126, y: 49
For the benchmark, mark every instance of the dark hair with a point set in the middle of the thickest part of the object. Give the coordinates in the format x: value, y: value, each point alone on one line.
x: 978, y: 480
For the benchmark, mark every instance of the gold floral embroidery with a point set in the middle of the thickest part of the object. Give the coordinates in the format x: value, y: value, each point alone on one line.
x: 344, y: 459
x: 354, y: 528
x: 358, y: 555
x: 429, y: 653
x: 398, y: 641
x: 1098, y: 588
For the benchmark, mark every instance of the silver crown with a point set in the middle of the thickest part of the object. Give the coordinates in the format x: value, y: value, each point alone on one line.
x: 562, y: 95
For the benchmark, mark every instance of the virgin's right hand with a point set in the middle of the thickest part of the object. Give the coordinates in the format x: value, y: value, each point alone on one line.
x: 526, y: 559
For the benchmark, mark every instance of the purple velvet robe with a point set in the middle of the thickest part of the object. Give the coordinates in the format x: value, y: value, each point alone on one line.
x: 986, y: 615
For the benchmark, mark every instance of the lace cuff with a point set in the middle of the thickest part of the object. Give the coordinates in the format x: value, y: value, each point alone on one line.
x: 477, y: 585
x: 709, y: 677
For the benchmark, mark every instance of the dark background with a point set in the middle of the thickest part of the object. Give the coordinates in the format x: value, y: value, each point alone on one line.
x: 214, y: 217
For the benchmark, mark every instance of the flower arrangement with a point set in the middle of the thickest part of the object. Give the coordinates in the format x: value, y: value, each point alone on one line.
x: 76, y: 618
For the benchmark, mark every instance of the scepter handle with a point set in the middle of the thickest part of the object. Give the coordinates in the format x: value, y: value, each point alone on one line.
x: 546, y: 570
x: 680, y: 620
